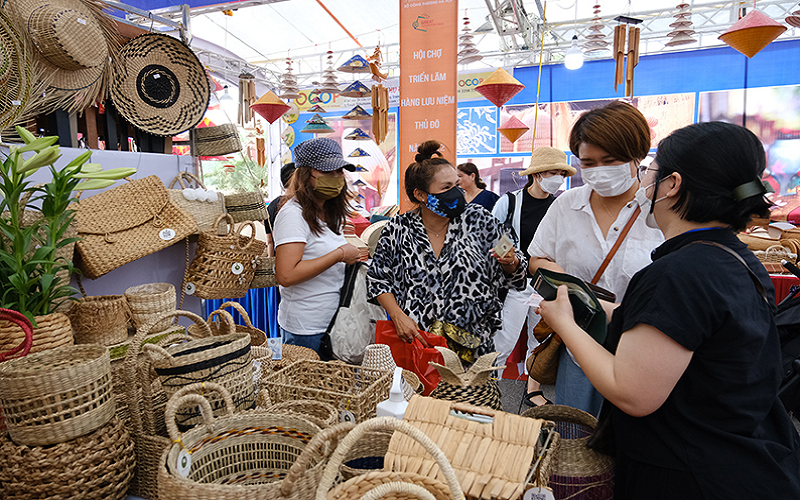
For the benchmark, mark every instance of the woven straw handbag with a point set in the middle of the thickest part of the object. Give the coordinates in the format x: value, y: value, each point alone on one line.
x: 143, y: 396
x: 126, y: 223
x: 257, y: 337
x: 223, y: 265
x: 97, y: 466
x: 356, y: 487
x: 205, y: 212
x: 475, y: 386
x: 254, y: 455
x: 219, y: 140
x: 246, y: 206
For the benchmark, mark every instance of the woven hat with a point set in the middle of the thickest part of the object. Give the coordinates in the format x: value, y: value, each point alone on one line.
x: 159, y: 85
x: 321, y: 154
x: 69, y: 38
x: 372, y: 234
x: 15, y: 73
x: 545, y: 158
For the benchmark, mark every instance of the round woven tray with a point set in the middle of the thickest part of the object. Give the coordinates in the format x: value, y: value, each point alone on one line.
x: 97, y: 466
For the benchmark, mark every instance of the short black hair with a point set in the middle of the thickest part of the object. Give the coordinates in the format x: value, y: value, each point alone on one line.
x: 286, y: 174
x: 714, y: 158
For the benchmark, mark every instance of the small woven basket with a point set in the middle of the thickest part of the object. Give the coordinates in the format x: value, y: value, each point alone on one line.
x: 57, y: 395
x: 318, y: 412
x: 204, y: 212
x: 354, y: 391
x: 246, y: 206
x: 97, y: 466
x: 52, y: 330
x: 367, y: 454
x: 219, y: 140
x: 257, y: 337
x: 149, y: 301
x: 775, y: 254
x: 101, y: 319
x: 253, y: 455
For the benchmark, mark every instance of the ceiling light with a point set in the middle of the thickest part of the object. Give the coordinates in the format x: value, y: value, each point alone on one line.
x: 574, y: 57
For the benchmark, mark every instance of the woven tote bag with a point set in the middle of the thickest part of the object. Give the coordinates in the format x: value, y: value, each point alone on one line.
x: 223, y: 265
x: 205, y: 212
x: 217, y: 141
x: 126, y: 223
x: 246, y: 206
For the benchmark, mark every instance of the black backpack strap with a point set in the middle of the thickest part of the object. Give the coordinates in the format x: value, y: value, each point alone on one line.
x: 753, y: 276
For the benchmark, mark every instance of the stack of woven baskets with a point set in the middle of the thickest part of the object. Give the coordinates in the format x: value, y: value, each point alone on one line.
x: 772, y: 248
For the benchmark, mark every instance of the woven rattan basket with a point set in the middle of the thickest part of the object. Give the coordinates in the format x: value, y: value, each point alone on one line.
x: 204, y: 212
x: 246, y: 206
x: 320, y: 413
x: 57, y: 395
x: 264, y: 277
x: 367, y: 454
x: 289, y: 354
x: 356, y: 487
x: 217, y: 141
x: 253, y: 455
x: 353, y: 391
x: 97, y: 466
x: 223, y: 265
x: 257, y: 336
x: 150, y: 300
x: 101, y: 319
x: 16, y: 351
x: 580, y: 472
x: 53, y: 330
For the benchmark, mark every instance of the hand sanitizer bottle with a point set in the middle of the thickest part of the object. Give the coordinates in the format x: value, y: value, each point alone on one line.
x: 396, y: 405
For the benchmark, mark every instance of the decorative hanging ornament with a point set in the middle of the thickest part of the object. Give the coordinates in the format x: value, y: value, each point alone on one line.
x: 499, y: 87
x: 329, y: 82
x: 752, y: 33
x: 270, y: 107
x: 247, y: 97
x: 375, y: 63
x: 358, y: 153
x: 357, y: 113
x: 317, y: 125
x: 355, y: 89
x: 467, y: 51
x: 682, y: 33
x: 513, y: 129
x: 358, y: 135
x: 794, y: 19
x: 316, y: 109
x: 355, y: 64
x: 289, y: 88
x: 597, y: 40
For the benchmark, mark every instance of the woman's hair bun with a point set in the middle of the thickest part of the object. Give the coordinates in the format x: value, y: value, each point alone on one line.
x: 420, y: 158
x: 427, y: 149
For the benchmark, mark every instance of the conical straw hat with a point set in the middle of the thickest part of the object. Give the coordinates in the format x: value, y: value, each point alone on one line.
x: 15, y: 69
x: 355, y: 64
x: 513, y: 129
x: 499, y: 87
x: 752, y: 33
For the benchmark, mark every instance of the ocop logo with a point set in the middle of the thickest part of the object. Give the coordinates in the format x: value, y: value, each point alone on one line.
x: 470, y: 82
x: 314, y: 98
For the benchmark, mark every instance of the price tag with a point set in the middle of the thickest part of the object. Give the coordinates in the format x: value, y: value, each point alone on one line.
x: 184, y: 463
x: 276, y: 346
x: 82, y: 21
x: 166, y: 234
x: 189, y: 288
x: 16, y: 103
x: 347, y: 416
x: 237, y: 268
x: 156, y: 76
x: 538, y: 493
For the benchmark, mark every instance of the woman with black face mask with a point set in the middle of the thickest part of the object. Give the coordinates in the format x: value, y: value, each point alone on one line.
x: 436, y: 262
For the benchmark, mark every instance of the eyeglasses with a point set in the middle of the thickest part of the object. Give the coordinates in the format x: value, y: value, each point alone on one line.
x: 642, y: 170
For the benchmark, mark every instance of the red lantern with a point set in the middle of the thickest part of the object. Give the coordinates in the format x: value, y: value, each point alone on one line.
x: 513, y: 129
x: 752, y: 33
x: 270, y: 107
x: 499, y: 87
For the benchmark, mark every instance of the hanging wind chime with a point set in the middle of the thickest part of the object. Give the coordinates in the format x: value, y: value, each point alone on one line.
x: 467, y: 51
x: 623, y: 75
x: 289, y: 88
x: 597, y: 40
x: 247, y: 96
x: 794, y: 19
x: 682, y: 32
x: 329, y: 82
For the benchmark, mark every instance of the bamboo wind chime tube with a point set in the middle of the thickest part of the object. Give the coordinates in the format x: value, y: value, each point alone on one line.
x: 619, y: 55
x: 633, y: 51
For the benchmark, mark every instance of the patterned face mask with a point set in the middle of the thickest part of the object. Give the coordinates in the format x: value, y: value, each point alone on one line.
x: 449, y: 204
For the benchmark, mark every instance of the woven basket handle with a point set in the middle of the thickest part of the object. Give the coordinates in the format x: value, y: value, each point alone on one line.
x: 252, y: 235
x: 228, y: 324
x: 228, y: 218
x: 315, y: 446
x: 179, y: 179
x: 20, y: 320
x: 175, y: 338
x: 191, y: 177
x: 392, y: 424
x: 156, y: 351
x: 242, y: 312
x: 408, y: 490
x: 194, y: 394
x: 478, y: 410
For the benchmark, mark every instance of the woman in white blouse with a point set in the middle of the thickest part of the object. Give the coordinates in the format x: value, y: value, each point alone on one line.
x: 583, y: 224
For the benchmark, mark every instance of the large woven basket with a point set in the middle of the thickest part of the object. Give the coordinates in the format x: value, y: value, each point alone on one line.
x: 204, y: 212
x: 354, y: 391
x: 56, y: 395
x: 150, y: 300
x: 52, y: 330
x: 246, y: 206
x: 318, y: 412
x: 97, y: 466
x: 217, y: 141
x: 144, y: 397
x: 16, y: 351
x: 253, y: 455
x: 367, y: 454
x: 100, y: 319
x: 580, y: 472
x: 356, y: 487
x: 289, y: 354
x: 223, y: 265
x: 257, y: 337
x: 223, y: 359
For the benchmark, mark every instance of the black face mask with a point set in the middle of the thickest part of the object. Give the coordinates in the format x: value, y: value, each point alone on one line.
x: 449, y: 204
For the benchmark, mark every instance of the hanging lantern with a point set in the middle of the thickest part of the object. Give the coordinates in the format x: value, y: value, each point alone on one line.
x: 752, y: 33
x: 355, y: 89
x: 316, y: 109
x: 513, y: 129
x: 357, y: 113
x: 358, y: 135
x: 467, y: 50
x: 270, y: 107
x: 355, y: 64
x: 499, y: 87
x: 289, y: 88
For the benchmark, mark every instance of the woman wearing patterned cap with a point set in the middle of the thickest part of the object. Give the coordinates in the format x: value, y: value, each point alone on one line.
x: 310, y: 249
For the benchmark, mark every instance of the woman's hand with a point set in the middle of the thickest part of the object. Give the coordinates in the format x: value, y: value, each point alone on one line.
x: 510, y: 262
x: 557, y: 313
x: 352, y: 254
x: 407, y: 328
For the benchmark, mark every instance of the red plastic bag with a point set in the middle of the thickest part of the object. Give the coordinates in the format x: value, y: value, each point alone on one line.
x: 414, y: 356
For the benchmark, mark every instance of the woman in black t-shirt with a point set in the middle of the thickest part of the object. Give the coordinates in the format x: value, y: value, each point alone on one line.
x: 692, y: 360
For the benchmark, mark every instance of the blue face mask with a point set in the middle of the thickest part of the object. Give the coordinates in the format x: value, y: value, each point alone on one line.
x: 449, y: 204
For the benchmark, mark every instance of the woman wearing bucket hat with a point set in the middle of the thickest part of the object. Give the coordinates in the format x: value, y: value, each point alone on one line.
x: 310, y: 249
x: 523, y: 210
x: 436, y: 265
x: 597, y: 231
x: 692, y: 361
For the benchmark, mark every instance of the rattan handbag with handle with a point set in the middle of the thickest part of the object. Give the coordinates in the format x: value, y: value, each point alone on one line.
x: 355, y: 487
x: 254, y: 455
x: 257, y: 337
x: 126, y: 223
x: 246, y: 206
x: 204, y: 211
x: 223, y: 265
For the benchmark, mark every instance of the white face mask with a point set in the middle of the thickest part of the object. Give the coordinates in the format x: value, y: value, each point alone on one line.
x: 608, y: 180
x: 645, y: 203
x: 551, y: 184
